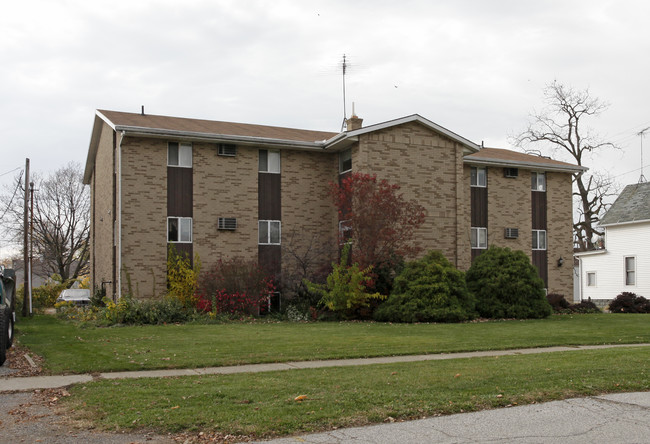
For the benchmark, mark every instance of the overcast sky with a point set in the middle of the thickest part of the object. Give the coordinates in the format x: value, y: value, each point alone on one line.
x: 476, y: 67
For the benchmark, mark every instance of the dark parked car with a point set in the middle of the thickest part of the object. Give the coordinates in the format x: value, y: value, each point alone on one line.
x: 7, y: 311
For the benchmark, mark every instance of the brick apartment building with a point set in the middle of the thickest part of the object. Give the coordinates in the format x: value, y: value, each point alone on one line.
x: 222, y: 189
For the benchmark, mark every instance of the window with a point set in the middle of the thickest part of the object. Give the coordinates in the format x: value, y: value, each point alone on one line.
x: 179, y: 229
x: 345, y: 161
x: 478, y: 177
x: 591, y: 279
x: 269, y: 232
x: 479, y: 237
x: 269, y: 161
x: 539, y: 239
x: 538, y: 181
x: 179, y: 154
x: 630, y: 270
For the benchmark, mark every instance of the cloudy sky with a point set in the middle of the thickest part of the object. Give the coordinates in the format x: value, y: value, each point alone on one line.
x: 477, y: 67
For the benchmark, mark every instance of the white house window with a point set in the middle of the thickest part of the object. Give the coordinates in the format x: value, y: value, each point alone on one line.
x: 179, y: 154
x: 269, y: 232
x: 538, y: 181
x: 591, y: 279
x: 539, y: 239
x: 479, y: 237
x: 269, y: 161
x: 345, y: 161
x: 478, y: 177
x: 630, y: 270
x: 179, y: 229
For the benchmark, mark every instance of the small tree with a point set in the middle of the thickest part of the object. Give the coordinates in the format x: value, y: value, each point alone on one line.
x: 346, y: 288
x: 378, y: 221
x: 506, y: 285
x: 182, y: 277
x: 428, y: 290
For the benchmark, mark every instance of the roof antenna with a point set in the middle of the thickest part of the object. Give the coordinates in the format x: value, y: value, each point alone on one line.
x: 142, y: 112
x: 642, y: 134
x: 344, y: 65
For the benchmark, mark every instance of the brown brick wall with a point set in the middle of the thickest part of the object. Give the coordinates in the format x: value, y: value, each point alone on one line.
x: 225, y: 187
x: 144, y: 216
x: 426, y: 165
x: 559, y: 222
x: 101, y: 236
x: 509, y: 206
x: 309, y: 219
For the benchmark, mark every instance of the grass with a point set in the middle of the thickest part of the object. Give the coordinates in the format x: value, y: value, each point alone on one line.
x: 263, y: 405
x: 68, y: 348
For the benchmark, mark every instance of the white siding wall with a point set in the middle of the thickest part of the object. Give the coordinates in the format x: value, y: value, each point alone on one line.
x: 621, y: 241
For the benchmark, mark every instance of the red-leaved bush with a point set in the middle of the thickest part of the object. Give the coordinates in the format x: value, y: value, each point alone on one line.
x: 234, y: 286
x: 378, y: 220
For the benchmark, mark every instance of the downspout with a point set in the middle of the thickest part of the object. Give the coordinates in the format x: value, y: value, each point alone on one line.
x: 119, y: 216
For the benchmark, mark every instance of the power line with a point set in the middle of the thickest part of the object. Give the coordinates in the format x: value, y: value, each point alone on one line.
x: 15, y: 169
x: 13, y: 196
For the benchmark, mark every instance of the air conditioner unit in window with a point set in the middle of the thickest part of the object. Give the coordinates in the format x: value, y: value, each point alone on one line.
x: 227, y: 223
x: 512, y: 233
x: 227, y: 149
x: 511, y: 172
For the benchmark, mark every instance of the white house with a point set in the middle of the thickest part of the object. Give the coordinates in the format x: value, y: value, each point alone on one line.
x: 624, y: 264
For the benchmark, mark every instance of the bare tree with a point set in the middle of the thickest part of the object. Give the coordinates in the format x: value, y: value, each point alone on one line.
x: 61, y: 220
x: 559, y: 127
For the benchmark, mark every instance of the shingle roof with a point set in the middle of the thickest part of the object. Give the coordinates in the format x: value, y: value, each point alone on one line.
x: 179, y: 124
x: 632, y: 205
x: 502, y: 157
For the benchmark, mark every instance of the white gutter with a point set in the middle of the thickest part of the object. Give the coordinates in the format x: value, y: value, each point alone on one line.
x: 640, y: 221
x: 118, y: 259
x: 530, y: 165
x: 210, y: 137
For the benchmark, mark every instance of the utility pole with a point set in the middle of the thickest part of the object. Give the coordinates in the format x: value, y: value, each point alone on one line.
x: 27, y: 297
x: 31, y: 242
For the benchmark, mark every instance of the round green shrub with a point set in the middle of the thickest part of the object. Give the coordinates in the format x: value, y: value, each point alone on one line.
x: 506, y: 285
x: 428, y: 290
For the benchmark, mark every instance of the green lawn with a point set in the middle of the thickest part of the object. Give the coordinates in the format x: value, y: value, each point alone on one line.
x: 262, y: 405
x: 68, y: 348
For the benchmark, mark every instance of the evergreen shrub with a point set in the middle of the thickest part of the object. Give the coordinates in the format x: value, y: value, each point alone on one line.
x: 430, y: 289
x: 506, y: 285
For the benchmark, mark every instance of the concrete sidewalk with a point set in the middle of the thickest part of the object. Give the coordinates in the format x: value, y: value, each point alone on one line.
x: 8, y: 384
x: 616, y: 418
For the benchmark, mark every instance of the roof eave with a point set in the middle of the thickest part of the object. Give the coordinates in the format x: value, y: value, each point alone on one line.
x: 217, y: 138
x: 527, y: 165
x: 93, y: 147
x: 627, y: 222
x: 349, y: 137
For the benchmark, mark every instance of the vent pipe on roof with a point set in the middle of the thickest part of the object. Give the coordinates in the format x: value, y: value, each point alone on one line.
x: 142, y: 112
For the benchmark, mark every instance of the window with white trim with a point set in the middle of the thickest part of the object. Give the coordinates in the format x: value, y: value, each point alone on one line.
x: 539, y: 239
x: 479, y: 237
x: 269, y: 161
x: 179, y: 229
x: 591, y: 279
x: 630, y: 270
x: 179, y: 154
x: 345, y: 161
x: 269, y: 232
x: 538, y: 181
x: 478, y: 177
